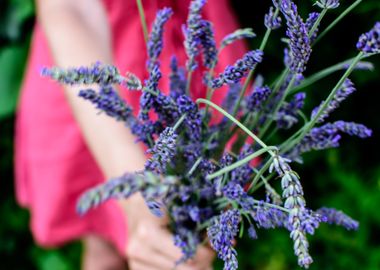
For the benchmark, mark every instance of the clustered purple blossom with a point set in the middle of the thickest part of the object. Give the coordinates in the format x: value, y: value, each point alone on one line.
x: 271, y: 20
x: 255, y: 101
x: 107, y: 100
x: 370, y: 42
x: 347, y: 89
x: 162, y: 152
x: 295, y: 203
x: 328, y: 136
x: 192, y: 32
x: 233, y: 74
x: 207, y: 40
x: 287, y: 116
x: 311, y: 20
x: 155, y: 42
x: 177, y: 79
x: 97, y: 73
x: 221, y: 233
x: 300, y: 48
x: 334, y: 216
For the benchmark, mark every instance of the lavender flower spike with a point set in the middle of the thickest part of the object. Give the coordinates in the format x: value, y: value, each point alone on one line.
x: 107, y: 100
x: 334, y: 216
x: 209, y: 50
x: 370, y: 42
x: 271, y: 21
x: 327, y: 4
x: 162, y: 152
x: 300, y: 48
x: 295, y: 202
x: 347, y: 89
x: 191, y: 32
x: 155, y: 39
x: 221, y: 233
x: 234, y: 36
x: 311, y: 19
x: 233, y: 74
x: 97, y: 73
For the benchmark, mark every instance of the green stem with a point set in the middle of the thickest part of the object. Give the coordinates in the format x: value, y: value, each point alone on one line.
x: 233, y: 119
x: 179, y: 122
x: 143, y: 20
x: 317, y: 22
x: 337, y: 20
x: 272, y: 205
x: 322, y: 74
x: 259, y: 185
x: 314, y: 120
x: 259, y: 174
x: 241, y: 162
x: 195, y: 165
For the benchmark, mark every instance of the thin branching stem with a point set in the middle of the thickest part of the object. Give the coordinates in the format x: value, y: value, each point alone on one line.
x: 143, y: 20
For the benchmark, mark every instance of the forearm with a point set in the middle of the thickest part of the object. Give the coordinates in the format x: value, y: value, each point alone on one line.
x: 78, y: 36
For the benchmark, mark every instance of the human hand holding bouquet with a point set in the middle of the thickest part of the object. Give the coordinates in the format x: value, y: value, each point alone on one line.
x: 210, y: 192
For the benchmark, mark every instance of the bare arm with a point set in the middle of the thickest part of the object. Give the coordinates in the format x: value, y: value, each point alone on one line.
x: 78, y: 34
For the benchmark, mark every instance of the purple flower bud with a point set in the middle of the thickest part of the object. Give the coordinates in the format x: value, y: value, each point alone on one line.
x: 311, y: 20
x: 237, y: 35
x: 370, y: 42
x: 155, y: 42
x: 347, y: 89
x: 334, y: 216
x: 271, y: 21
x: 300, y: 48
x: 162, y: 152
x: 107, y: 100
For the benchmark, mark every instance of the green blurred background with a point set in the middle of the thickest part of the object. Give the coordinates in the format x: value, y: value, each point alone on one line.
x: 348, y: 178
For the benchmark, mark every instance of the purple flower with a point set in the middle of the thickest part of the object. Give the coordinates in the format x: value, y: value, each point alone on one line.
x: 187, y: 241
x: 269, y: 217
x: 370, y: 42
x: 192, y: 32
x: 150, y: 92
x: 155, y: 42
x: 311, y: 20
x: 107, y: 100
x: 221, y: 233
x: 271, y: 21
x: 177, y: 79
x: 233, y: 74
x: 255, y: 101
x: 144, y: 131
x: 162, y: 152
x: 97, y: 73
x: 295, y: 203
x: 121, y: 187
x: 237, y: 35
x: 193, y: 119
x: 334, y: 216
x: 347, y: 89
x: 328, y: 4
x: 207, y: 41
x: 252, y: 232
x: 235, y: 192
x: 287, y: 116
x: 300, y: 48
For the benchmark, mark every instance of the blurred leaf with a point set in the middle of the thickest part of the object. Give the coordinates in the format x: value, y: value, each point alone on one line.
x: 12, y: 61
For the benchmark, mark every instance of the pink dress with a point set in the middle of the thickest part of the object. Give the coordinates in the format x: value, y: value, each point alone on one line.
x: 53, y: 164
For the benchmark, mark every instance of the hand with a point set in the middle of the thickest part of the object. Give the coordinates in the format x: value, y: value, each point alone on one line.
x: 150, y: 245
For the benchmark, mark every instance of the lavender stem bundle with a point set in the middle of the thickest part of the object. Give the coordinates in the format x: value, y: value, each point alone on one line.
x: 209, y: 189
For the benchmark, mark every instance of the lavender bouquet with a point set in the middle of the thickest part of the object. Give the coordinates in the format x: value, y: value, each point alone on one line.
x: 210, y: 191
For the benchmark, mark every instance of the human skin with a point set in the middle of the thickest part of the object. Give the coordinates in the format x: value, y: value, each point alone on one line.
x: 78, y: 34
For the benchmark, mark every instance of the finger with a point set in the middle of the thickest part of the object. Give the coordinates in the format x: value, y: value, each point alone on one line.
x: 141, y: 250
x: 137, y: 265
x: 163, y: 243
